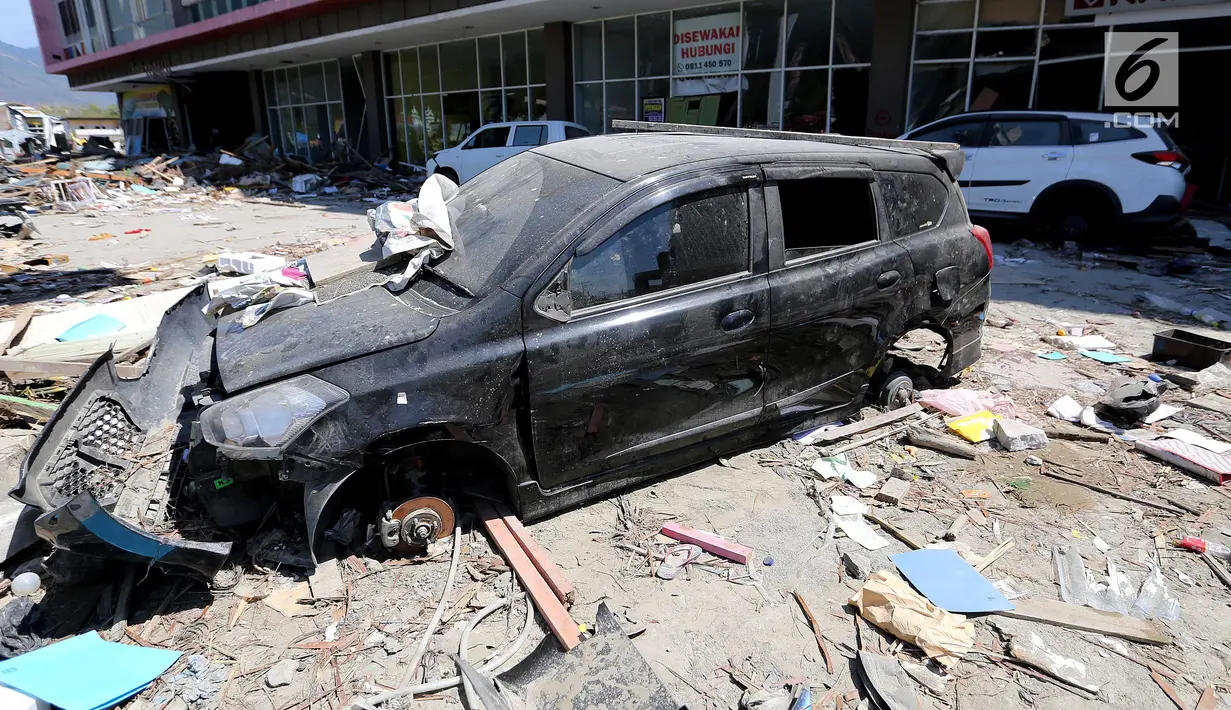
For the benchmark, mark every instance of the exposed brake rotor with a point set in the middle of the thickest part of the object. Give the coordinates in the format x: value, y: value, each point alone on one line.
x: 417, y: 523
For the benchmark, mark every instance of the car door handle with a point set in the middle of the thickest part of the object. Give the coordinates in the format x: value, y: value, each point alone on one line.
x: 737, y: 319
x: 887, y: 279
x: 1054, y: 155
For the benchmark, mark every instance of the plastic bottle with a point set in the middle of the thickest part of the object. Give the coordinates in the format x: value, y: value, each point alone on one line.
x: 1197, y: 544
x: 26, y: 583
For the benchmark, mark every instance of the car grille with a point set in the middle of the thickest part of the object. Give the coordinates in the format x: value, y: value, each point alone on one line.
x: 97, y: 456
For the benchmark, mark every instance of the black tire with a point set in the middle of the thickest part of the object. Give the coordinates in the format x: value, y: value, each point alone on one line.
x: 449, y: 173
x: 1074, y: 216
x: 898, y: 391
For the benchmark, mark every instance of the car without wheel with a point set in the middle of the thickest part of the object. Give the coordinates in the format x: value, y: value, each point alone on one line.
x: 1072, y: 175
x: 615, y: 308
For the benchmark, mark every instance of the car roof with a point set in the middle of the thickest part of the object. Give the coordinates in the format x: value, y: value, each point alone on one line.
x: 499, y: 124
x: 626, y: 156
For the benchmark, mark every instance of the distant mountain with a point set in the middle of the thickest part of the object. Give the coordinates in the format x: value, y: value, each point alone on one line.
x: 22, y: 80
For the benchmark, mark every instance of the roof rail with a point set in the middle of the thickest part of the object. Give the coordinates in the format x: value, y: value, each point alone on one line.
x: 949, y: 155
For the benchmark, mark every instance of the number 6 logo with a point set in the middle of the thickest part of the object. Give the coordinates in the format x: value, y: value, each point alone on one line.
x: 1135, y: 61
x: 1142, y: 69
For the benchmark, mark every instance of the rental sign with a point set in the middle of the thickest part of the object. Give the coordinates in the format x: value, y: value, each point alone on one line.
x: 707, y: 45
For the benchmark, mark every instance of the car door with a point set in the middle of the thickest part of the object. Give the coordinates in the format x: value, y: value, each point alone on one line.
x: 1021, y: 158
x: 527, y: 136
x: 969, y: 133
x: 484, y: 149
x: 668, y: 333
x: 838, y: 289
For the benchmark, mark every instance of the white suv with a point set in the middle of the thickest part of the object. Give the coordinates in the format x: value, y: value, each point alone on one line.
x: 495, y: 142
x: 1071, y: 174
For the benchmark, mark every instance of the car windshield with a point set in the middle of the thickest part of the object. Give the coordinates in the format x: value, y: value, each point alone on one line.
x: 505, y: 214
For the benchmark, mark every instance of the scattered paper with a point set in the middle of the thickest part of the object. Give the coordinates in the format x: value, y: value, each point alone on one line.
x: 887, y: 601
x: 848, y: 515
x: 1065, y: 408
x: 1163, y: 411
x: 838, y: 467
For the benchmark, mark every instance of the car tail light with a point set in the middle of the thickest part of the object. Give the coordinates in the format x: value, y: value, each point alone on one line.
x: 1166, y: 158
x: 985, y: 238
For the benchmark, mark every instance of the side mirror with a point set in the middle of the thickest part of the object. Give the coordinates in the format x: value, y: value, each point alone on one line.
x: 555, y: 301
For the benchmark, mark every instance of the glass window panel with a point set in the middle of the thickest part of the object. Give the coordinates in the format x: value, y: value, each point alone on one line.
x: 275, y: 129
x: 1069, y: 86
x: 530, y: 135
x: 946, y: 46
x: 410, y: 71
x: 654, y: 44
x: 433, y: 129
x: 621, y: 100
x: 513, y: 49
x: 588, y: 107
x: 284, y: 91
x: 762, y: 100
x: 763, y: 34
x: 287, y: 123
x: 946, y: 16
x: 807, y: 26
x: 620, y: 48
x: 1008, y: 13
x: 538, y: 61
x: 1053, y: 14
x: 393, y: 74
x: 852, y: 32
x: 806, y: 102
x: 538, y: 104
x: 461, y: 116
x: 588, y: 51
x: 312, y: 78
x: 1206, y: 32
x: 515, y: 105
x: 966, y: 133
x: 999, y: 85
x: 915, y: 202
x: 495, y: 137
x: 296, y: 89
x: 1077, y: 42
x: 489, y: 62
x: 333, y: 82
x: 649, y: 89
x: 1010, y: 43
x: 337, y: 121
x: 414, y: 130
x: 301, y: 132
x: 849, y: 106
x: 458, y: 69
x: 846, y: 201
x: 492, y: 105
x: 320, y: 143
x: 936, y: 91
x: 1014, y: 132
x: 271, y: 93
x: 429, y: 69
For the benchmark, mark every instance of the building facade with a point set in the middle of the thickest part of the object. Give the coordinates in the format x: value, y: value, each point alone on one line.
x: 406, y: 78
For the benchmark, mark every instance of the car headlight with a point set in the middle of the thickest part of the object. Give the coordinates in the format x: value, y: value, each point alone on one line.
x: 270, y: 417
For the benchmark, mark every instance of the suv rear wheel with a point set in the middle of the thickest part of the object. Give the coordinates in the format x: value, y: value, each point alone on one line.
x: 1074, y: 215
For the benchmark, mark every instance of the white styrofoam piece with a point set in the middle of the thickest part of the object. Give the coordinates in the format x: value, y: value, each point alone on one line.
x: 247, y: 262
x: 12, y: 700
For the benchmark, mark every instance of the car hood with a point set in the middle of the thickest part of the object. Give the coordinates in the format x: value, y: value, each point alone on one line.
x: 295, y: 340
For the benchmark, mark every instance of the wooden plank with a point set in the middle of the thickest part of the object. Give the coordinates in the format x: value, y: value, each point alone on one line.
x: 557, y: 617
x: 1166, y: 687
x: 942, y: 444
x: 19, y: 368
x: 1081, y: 618
x: 19, y: 327
x: 552, y: 574
x: 709, y: 542
x: 894, y: 531
x: 1217, y: 569
x: 995, y: 554
x: 816, y: 630
x: 1114, y: 493
x: 1207, y: 700
x: 845, y: 432
x: 27, y: 407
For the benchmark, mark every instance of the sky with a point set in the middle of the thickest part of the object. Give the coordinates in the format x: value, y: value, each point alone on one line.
x: 18, y: 26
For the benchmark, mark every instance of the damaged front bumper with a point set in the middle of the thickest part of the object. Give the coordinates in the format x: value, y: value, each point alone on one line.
x: 103, y: 468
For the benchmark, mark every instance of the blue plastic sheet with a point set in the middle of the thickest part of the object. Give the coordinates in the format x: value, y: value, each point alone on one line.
x: 950, y: 582
x: 101, y: 324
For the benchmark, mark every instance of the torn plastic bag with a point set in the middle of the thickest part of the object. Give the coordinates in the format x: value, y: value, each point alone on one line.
x: 1130, y: 398
x: 960, y: 402
x: 421, y: 228
x: 286, y: 298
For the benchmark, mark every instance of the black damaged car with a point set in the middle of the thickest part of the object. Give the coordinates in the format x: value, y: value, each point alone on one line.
x: 616, y: 308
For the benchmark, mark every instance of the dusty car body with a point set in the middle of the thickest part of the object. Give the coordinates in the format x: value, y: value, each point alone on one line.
x: 618, y: 307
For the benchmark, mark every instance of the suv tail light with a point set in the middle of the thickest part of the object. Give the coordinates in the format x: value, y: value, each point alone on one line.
x: 1166, y: 158
x: 985, y: 238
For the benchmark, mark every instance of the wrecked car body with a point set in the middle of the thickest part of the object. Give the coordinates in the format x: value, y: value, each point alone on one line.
x: 615, y: 308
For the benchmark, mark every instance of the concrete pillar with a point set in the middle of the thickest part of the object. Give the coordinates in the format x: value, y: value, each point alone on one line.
x: 256, y: 96
x: 558, y: 52
x: 374, y: 104
x: 890, y: 73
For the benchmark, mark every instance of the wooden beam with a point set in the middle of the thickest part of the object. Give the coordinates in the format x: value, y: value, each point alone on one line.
x: 31, y: 368
x: 1081, y: 618
x: 709, y: 542
x: 1111, y: 492
x: 19, y: 328
x: 557, y: 617
x: 874, y: 422
x: 555, y: 578
x: 28, y: 407
x: 995, y: 554
x: 894, y: 531
x: 943, y: 444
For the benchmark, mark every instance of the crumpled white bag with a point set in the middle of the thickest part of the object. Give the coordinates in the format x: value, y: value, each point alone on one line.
x: 421, y: 227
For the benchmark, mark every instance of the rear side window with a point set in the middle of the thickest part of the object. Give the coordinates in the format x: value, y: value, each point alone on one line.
x: 1090, y: 132
x: 489, y: 138
x: 1014, y: 132
x: 571, y: 132
x: 686, y: 241
x: 914, y: 202
x: 820, y: 214
x: 966, y: 134
x: 530, y: 135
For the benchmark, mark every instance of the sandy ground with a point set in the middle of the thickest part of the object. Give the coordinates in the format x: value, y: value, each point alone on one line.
x: 716, y: 614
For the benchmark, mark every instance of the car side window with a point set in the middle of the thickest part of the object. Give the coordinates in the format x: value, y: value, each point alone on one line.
x: 1090, y: 132
x: 967, y: 134
x: 688, y: 240
x: 822, y: 214
x: 1017, y: 132
x: 530, y: 135
x: 913, y: 202
x: 571, y: 132
x: 496, y: 137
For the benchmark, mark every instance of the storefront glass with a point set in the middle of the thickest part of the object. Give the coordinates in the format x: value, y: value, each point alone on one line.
x: 441, y: 93
x: 795, y: 64
x: 305, y: 109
